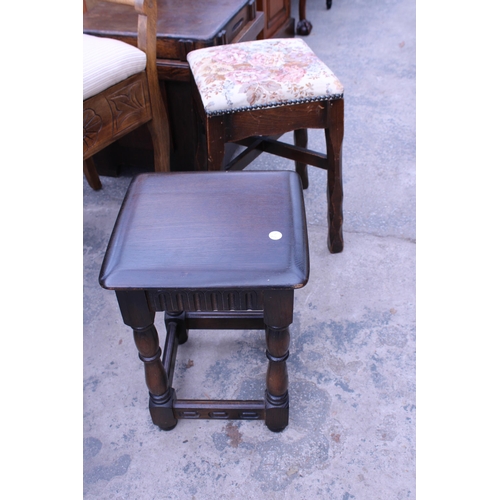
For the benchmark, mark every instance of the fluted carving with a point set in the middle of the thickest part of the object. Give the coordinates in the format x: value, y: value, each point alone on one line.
x: 177, y: 301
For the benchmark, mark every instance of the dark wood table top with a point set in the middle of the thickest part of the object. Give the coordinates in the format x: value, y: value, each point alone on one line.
x: 177, y: 20
x: 206, y: 230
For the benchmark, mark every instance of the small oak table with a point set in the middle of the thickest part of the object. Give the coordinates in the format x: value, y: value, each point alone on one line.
x: 214, y: 250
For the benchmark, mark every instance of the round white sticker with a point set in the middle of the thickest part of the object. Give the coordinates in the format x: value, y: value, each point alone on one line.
x: 275, y: 235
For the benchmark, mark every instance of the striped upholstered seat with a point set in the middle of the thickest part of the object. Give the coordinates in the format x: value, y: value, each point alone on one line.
x: 106, y: 62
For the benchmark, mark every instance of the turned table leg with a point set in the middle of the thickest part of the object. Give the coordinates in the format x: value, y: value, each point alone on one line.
x: 278, y: 315
x: 277, y: 400
x: 136, y: 314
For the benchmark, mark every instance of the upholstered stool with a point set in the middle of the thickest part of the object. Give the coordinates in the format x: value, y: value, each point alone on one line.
x: 250, y: 93
x: 214, y: 250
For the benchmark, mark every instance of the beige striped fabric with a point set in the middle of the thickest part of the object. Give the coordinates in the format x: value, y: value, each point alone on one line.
x: 106, y: 62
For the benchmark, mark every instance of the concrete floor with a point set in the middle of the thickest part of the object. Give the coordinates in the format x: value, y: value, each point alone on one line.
x: 352, y: 353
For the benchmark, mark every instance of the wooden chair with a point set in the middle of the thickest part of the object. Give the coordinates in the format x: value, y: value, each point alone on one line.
x: 250, y: 93
x: 121, y: 91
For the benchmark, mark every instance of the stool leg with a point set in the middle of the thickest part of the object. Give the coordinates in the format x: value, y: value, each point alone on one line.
x: 300, y: 139
x: 180, y: 321
x: 136, y: 314
x: 278, y: 315
x: 334, y: 135
x: 215, y: 142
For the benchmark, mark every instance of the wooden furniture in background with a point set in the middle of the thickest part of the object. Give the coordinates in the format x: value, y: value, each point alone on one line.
x: 183, y: 25
x: 304, y: 26
x: 130, y: 103
x: 278, y: 22
x: 214, y: 250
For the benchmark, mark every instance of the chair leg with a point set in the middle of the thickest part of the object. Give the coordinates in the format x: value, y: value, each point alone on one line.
x: 334, y: 135
x: 300, y: 139
x: 91, y: 174
x: 159, y: 129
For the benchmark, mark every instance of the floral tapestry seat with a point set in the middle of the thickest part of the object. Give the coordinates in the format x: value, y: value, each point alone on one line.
x: 264, y: 73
